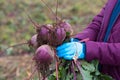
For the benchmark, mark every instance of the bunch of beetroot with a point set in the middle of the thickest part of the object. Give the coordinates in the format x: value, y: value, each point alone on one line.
x: 46, y: 39
x: 52, y: 35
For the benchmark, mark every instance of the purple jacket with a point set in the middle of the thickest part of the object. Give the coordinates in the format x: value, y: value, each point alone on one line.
x: 107, y: 53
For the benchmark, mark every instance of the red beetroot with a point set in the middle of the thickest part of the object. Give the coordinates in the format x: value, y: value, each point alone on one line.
x: 44, y: 55
x: 47, y: 34
x: 66, y: 26
x: 53, y: 35
x: 59, y: 35
x: 33, y: 41
x: 43, y: 34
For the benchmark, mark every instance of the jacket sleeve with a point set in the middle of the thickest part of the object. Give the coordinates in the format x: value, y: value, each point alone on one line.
x: 106, y: 53
x: 93, y: 28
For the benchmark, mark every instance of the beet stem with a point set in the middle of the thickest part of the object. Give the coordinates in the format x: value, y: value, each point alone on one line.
x: 38, y: 75
x: 56, y: 64
x: 34, y: 23
x: 84, y: 40
x: 79, y: 67
x: 75, y: 78
x: 57, y: 5
x: 43, y: 78
x: 57, y: 71
x: 35, y: 69
x: 51, y: 10
x: 19, y: 44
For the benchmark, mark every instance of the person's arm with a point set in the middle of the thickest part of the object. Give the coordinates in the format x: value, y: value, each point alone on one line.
x: 106, y: 53
x: 93, y: 28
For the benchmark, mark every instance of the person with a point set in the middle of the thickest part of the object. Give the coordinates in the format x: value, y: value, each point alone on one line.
x: 104, y: 41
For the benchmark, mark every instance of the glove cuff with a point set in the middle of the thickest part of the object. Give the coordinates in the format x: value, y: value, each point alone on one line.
x: 74, y: 40
x: 84, y: 49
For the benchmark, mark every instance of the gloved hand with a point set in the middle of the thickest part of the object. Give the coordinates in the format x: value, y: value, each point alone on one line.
x: 70, y: 49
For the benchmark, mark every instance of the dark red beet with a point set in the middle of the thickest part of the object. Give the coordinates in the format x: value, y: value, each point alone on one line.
x: 53, y: 36
x: 43, y: 34
x: 33, y: 41
x: 59, y: 35
x: 66, y: 26
x: 44, y: 55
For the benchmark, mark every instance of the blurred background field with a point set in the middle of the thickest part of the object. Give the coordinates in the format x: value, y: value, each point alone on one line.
x: 15, y: 28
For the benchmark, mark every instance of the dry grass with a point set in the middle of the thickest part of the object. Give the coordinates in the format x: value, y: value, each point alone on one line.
x: 15, y: 67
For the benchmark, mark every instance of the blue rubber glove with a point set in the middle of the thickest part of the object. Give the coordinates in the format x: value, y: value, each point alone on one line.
x: 74, y: 40
x: 70, y: 49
